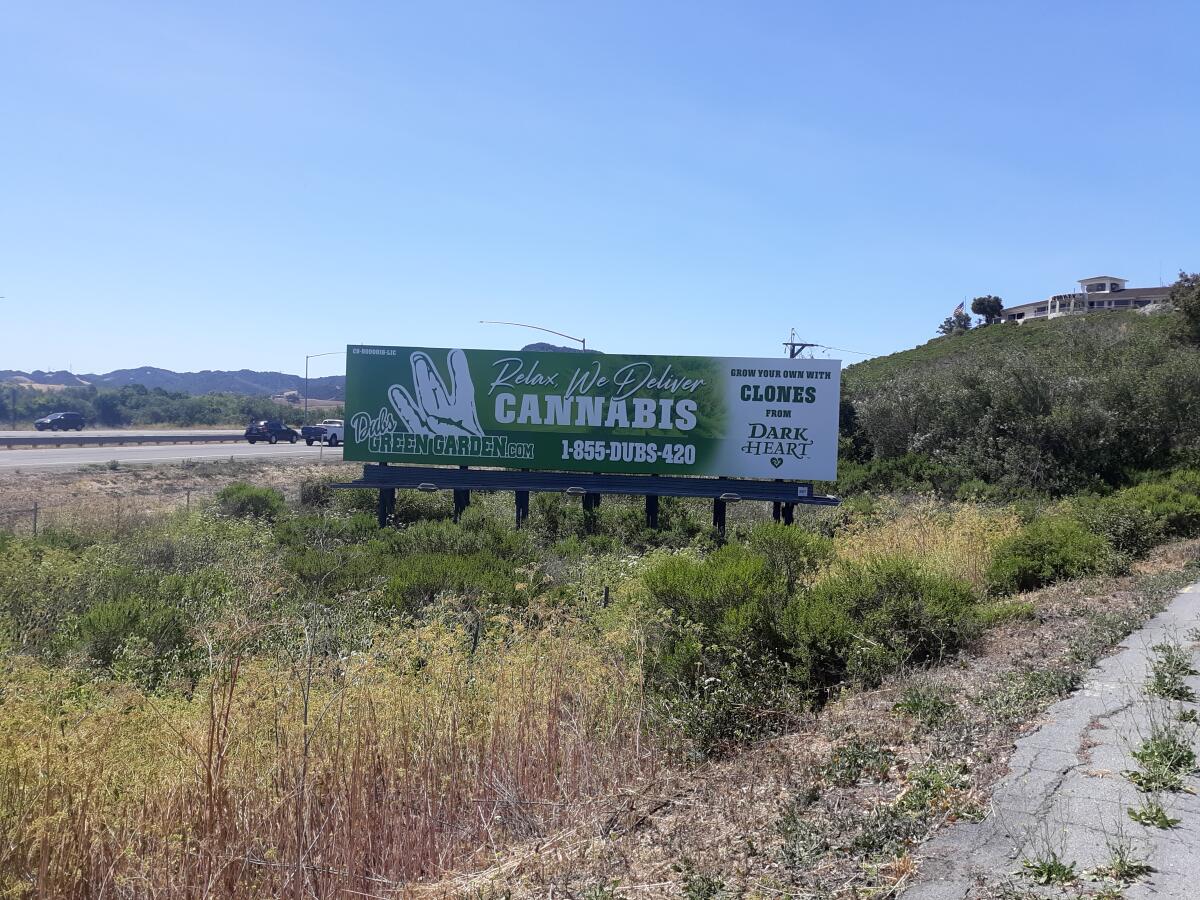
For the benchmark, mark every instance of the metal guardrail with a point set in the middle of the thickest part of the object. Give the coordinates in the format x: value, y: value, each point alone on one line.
x: 58, y: 439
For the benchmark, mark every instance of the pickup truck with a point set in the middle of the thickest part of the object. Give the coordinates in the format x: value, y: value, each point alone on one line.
x: 330, y: 432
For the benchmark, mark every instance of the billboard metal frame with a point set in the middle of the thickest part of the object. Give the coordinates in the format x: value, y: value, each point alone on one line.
x: 387, y: 479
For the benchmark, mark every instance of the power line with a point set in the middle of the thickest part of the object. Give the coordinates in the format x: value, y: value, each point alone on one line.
x: 844, y: 350
x: 795, y: 347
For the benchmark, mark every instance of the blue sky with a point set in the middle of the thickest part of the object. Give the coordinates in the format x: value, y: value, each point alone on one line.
x: 227, y: 185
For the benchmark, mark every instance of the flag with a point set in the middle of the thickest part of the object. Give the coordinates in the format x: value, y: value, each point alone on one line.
x: 959, y: 308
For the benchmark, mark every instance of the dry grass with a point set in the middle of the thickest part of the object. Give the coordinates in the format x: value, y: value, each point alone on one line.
x: 950, y: 539
x: 356, y: 776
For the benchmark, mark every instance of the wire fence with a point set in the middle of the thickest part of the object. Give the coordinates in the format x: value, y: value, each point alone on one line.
x: 119, y: 496
x: 112, y: 512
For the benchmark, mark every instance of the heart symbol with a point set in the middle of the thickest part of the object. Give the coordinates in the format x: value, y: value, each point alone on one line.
x: 777, y: 461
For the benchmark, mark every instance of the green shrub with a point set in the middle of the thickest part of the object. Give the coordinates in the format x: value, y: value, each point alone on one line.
x: 1173, y: 502
x: 106, y: 628
x: 423, y: 576
x: 475, y: 532
x: 726, y: 593
x: 1128, y: 527
x: 359, y: 500
x: 869, y: 619
x: 1045, y: 551
x: 316, y: 492
x: 241, y: 499
x: 791, y: 554
x: 728, y: 698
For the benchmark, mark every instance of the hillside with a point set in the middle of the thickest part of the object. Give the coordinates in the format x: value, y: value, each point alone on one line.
x: 209, y: 381
x: 1060, y: 339
x: 243, y: 381
x: 1048, y: 406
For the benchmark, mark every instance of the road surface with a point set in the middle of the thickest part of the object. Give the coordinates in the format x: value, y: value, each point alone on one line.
x: 1066, y: 793
x: 117, y: 432
x: 54, y: 457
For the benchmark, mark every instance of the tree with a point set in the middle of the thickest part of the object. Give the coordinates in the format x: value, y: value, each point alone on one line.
x: 1185, y: 295
x: 956, y: 323
x: 990, y: 307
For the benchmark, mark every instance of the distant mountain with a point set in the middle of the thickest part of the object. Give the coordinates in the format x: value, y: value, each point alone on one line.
x: 243, y: 381
x: 543, y: 347
x: 39, y: 377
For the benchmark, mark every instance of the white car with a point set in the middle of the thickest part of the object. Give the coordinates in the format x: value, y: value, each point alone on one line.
x: 330, y: 432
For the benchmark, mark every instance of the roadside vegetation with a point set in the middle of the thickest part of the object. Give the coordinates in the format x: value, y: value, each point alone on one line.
x: 136, y: 405
x: 276, y: 697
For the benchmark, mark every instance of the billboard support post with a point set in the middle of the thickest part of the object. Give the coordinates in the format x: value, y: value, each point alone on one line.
x: 719, y: 516
x: 522, y: 498
x: 652, y: 510
x: 462, y: 499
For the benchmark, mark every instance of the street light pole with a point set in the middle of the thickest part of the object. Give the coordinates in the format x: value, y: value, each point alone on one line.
x: 306, y: 359
x: 582, y: 341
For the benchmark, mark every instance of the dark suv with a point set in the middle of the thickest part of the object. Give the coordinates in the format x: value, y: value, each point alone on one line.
x: 271, y: 432
x: 61, y: 421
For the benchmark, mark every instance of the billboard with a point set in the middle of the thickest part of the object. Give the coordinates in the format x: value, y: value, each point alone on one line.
x: 592, y: 412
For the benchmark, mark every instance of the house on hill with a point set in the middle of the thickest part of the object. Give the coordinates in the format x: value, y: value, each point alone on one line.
x: 1095, y: 293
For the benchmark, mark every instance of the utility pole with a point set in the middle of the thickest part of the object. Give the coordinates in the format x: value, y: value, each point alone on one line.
x: 306, y: 359
x: 795, y: 347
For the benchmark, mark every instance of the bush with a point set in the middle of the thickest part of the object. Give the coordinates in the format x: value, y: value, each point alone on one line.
x: 241, y: 499
x: 726, y: 594
x: 425, y: 575
x: 872, y: 618
x: 1045, y: 551
x: 792, y: 554
x: 106, y: 628
x: 475, y: 532
x: 315, y: 492
x: 1128, y: 527
x: 1174, y: 502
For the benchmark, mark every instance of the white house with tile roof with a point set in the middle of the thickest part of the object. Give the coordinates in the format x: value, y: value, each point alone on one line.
x: 1096, y: 293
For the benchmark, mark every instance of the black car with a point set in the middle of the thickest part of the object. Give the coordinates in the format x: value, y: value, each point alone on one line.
x: 60, y: 421
x: 271, y: 432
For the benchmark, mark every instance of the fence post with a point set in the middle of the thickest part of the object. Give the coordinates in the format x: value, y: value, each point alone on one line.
x: 188, y: 500
x: 652, y: 510
x: 35, y: 514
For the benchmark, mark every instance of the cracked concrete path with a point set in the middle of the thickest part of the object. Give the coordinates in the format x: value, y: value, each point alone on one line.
x: 1065, y: 791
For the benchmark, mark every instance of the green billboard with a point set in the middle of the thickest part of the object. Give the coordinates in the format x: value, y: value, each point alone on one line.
x: 592, y: 412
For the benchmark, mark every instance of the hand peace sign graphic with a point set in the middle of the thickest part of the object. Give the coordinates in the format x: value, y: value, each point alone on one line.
x: 438, y: 409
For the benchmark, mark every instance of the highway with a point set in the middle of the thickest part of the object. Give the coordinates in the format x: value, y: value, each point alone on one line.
x: 55, y: 457
x: 117, y: 432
